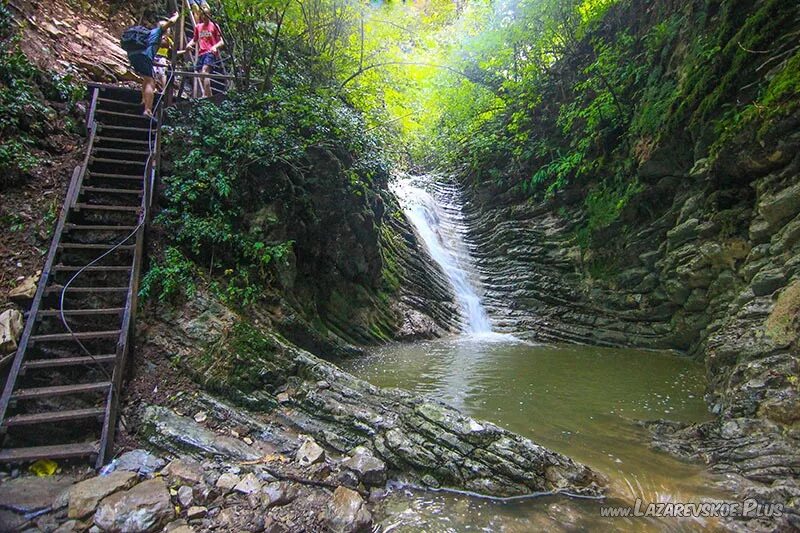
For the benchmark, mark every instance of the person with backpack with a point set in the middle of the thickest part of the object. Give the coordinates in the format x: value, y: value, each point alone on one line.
x: 208, y: 38
x: 141, y: 43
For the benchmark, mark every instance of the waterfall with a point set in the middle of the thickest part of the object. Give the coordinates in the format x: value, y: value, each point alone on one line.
x: 435, y: 211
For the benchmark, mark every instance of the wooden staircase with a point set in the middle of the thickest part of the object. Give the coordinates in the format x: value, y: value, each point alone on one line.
x: 63, y: 390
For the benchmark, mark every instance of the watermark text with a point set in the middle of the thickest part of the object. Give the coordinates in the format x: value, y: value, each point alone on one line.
x: 748, y: 508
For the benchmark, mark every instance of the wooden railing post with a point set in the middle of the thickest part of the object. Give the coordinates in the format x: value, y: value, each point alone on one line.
x: 92, y: 108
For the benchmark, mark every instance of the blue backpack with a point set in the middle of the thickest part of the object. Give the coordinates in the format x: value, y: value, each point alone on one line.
x: 135, y: 39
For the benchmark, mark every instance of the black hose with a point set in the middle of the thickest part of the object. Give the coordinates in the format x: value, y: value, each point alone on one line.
x: 151, y: 149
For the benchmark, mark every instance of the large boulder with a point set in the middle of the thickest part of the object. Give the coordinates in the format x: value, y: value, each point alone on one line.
x: 145, y: 507
x: 24, y: 497
x: 369, y: 469
x: 10, y: 330
x: 84, y: 496
x: 347, y: 512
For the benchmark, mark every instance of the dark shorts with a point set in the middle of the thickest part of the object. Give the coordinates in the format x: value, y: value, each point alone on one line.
x: 207, y: 59
x: 142, y: 61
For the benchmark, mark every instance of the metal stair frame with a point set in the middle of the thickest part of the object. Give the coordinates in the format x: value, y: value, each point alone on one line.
x: 104, y: 448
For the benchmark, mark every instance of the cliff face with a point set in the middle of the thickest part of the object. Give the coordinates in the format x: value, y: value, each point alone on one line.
x: 357, y: 273
x: 311, y: 234
x: 704, y: 255
x: 730, y: 300
x: 420, y: 439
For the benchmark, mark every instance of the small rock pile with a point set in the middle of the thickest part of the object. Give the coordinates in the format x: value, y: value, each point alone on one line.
x: 140, y: 492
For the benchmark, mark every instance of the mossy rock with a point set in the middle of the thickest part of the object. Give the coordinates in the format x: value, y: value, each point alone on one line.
x: 783, y: 323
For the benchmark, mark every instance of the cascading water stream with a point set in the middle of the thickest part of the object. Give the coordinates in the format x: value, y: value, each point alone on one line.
x: 437, y: 217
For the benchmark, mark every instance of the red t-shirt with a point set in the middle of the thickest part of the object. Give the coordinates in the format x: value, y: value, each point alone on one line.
x: 206, y: 34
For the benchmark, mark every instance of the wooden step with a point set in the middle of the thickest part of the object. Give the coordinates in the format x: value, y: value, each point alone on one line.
x: 100, y: 207
x: 60, y: 390
x: 121, y: 114
x: 80, y: 312
x: 102, y: 127
x: 92, y: 246
x: 35, y: 364
x: 117, y: 93
x: 54, y: 417
x: 57, y: 290
x: 97, y: 227
x: 118, y: 102
x: 56, y: 451
x: 100, y: 138
x: 80, y: 335
x: 117, y: 161
x: 120, y: 151
x: 106, y: 190
x: 107, y: 175
x: 95, y: 268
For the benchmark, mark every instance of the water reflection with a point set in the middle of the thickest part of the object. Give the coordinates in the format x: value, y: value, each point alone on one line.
x: 579, y: 400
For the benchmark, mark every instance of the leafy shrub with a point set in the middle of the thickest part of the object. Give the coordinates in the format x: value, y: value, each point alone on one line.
x: 603, y: 205
x: 173, y: 275
x: 25, y: 118
x: 231, y: 161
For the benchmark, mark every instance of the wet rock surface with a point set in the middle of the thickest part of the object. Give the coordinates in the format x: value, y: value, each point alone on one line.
x: 347, y: 512
x: 703, y: 264
x: 369, y: 469
x: 420, y: 437
x: 86, y: 495
x: 145, y: 507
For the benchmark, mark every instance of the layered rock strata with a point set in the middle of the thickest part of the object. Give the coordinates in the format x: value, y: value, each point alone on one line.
x: 705, y: 260
x: 425, y: 440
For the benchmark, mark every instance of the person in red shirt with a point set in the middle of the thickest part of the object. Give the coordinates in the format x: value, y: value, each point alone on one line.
x: 208, y: 39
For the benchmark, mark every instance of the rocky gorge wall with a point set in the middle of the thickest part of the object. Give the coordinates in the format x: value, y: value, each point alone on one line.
x: 318, y: 240
x: 703, y: 258
x: 683, y: 281
x: 420, y: 439
x: 359, y: 278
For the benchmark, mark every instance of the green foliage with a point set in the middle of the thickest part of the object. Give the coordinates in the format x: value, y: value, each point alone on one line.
x: 784, y: 87
x: 777, y: 99
x: 173, y: 275
x: 603, y: 205
x: 25, y: 118
x: 541, y: 94
x: 555, y: 175
x: 234, y: 185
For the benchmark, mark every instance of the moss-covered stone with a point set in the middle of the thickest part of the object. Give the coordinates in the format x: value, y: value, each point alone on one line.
x: 783, y: 323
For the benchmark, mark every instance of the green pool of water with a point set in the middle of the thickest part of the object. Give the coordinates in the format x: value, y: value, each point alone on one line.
x: 579, y: 400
